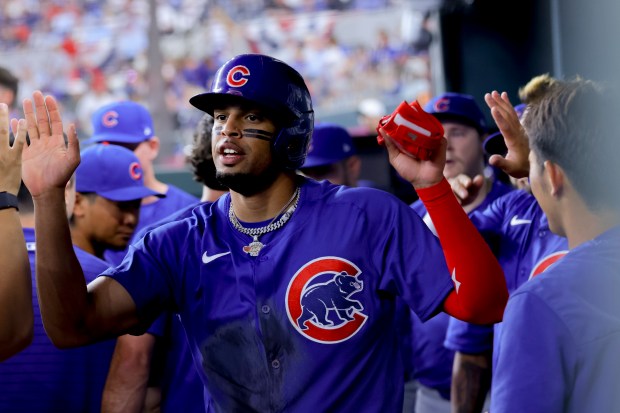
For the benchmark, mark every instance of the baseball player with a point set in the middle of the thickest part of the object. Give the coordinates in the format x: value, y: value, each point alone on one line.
x: 465, y: 129
x: 43, y: 378
x: 286, y: 287
x: 160, y: 363
x: 15, y: 290
x: 524, y: 245
x: 129, y: 124
x: 558, y: 345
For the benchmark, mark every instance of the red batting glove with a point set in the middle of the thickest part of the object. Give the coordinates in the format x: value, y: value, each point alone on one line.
x: 414, y: 131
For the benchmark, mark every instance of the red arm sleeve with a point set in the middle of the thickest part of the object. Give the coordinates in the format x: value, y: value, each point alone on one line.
x: 480, y: 292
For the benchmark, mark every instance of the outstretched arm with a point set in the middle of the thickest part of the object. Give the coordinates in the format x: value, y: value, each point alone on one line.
x: 72, y: 314
x: 515, y: 163
x: 480, y: 292
x: 16, y: 317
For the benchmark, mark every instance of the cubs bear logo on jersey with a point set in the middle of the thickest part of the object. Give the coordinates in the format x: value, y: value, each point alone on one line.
x: 320, y: 300
x: 237, y: 76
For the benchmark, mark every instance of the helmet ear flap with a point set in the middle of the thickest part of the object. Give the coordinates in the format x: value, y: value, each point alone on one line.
x: 292, y: 143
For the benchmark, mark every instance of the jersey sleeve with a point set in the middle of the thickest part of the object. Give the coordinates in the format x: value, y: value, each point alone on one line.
x: 158, y: 328
x: 148, y: 275
x: 407, y: 256
x: 536, y: 359
x: 468, y: 338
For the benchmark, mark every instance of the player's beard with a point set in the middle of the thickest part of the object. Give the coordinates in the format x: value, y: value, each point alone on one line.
x: 248, y: 184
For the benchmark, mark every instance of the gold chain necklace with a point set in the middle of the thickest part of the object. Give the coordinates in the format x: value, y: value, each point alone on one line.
x: 255, y: 246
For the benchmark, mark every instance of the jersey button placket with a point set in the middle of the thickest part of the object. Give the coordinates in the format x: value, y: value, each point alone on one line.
x: 275, y: 364
x: 265, y: 309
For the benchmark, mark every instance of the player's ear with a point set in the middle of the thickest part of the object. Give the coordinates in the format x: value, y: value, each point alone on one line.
x: 556, y: 178
x: 154, y: 145
x: 80, y: 205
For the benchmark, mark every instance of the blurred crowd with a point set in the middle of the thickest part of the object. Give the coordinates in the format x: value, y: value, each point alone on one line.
x: 89, y: 53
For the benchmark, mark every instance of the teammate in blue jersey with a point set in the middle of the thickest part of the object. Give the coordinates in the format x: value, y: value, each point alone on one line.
x: 129, y: 124
x: 286, y: 287
x: 519, y: 231
x: 102, y: 215
x: 159, y: 368
x: 558, y: 345
x: 16, y: 319
x: 465, y: 130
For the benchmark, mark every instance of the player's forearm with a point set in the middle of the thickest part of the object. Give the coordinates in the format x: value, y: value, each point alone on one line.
x: 123, y: 396
x: 126, y: 386
x: 471, y: 380
x: 61, y: 286
x: 16, y: 319
x: 125, y: 391
x: 480, y: 293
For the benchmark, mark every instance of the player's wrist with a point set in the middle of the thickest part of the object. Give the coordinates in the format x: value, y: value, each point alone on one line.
x: 431, y: 191
x: 49, y: 196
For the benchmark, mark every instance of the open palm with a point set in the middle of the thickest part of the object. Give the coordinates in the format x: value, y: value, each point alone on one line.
x: 47, y: 162
x: 11, y: 156
x: 515, y: 163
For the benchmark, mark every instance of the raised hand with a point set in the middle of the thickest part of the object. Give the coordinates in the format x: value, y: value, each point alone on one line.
x: 420, y: 173
x: 48, y: 162
x: 515, y: 163
x: 11, y: 156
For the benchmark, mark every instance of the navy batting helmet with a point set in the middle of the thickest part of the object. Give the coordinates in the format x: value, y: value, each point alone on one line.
x: 274, y: 85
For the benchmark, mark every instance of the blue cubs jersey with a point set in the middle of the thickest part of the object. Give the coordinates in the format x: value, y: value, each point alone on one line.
x: 524, y: 246
x: 558, y: 349
x: 431, y: 362
x: 307, y: 325
x: 179, y: 382
x: 43, y: 378
x: 175, y: 200
x: 180, y: 385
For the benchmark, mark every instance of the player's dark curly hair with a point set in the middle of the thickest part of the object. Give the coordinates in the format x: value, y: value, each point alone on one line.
x: 201, y: 158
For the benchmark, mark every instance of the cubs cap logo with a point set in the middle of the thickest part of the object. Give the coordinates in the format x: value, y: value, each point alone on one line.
x: 237, y: 76
x: 442, y: 105
x: 135, y: 171
x: 321, y: 300
x: 545, y: 263
x: 109, y: 119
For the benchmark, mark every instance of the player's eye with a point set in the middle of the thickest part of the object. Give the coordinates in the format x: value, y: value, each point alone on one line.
x: 219, y: 117
x: 254, y: 117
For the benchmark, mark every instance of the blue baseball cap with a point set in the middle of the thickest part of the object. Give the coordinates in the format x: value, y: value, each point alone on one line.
x: 458, y: 107
x: 123, y: 122
x: 330, y: 143
x: 112, y: 172
x: 494, y: 143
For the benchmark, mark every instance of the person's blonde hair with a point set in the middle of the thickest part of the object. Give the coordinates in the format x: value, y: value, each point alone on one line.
x: 536, y: 88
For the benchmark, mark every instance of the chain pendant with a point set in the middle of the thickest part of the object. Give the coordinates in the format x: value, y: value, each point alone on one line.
x: 254, y: 248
